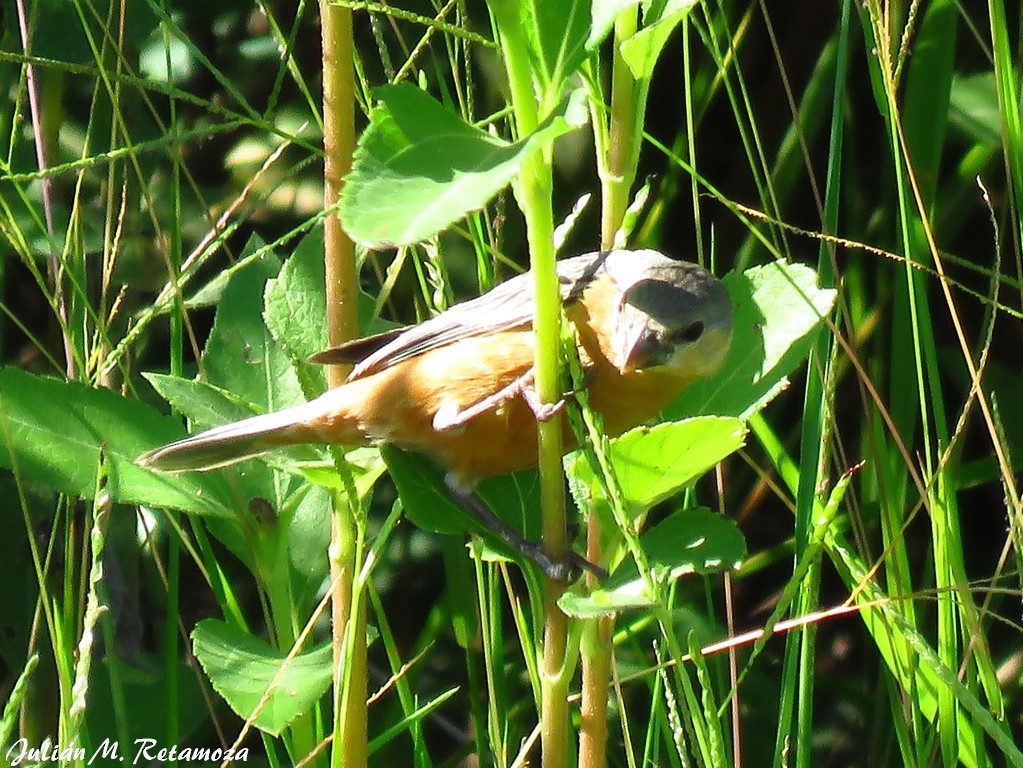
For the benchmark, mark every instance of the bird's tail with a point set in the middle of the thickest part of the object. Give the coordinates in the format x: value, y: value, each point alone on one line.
x: 231, y: 443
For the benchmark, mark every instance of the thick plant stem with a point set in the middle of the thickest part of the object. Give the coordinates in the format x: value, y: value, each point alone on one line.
x: 350, y: 670
x: 618, y: 168
x: 534, y: 191
x: 617, y: 172
x: 547, y: 325
x: 596, y: 667
x: 342, y: 324
x: 338, y: 147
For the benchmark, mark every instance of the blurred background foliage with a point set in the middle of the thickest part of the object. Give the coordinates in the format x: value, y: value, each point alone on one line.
x: 179, y: 127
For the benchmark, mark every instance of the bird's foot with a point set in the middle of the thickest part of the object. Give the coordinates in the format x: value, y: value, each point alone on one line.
x: 563, y: 570
x: 543, y: 411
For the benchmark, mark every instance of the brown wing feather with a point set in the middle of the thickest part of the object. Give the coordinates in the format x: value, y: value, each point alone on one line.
x: 357, y: 350
x: 506, y: 307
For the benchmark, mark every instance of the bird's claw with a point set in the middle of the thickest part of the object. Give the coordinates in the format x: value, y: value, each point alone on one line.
x: 543, y: 411
x: 567, y: 570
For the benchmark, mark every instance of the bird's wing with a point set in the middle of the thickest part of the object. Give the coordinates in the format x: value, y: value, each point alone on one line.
x: 355, y: 351
x: 509, y: 305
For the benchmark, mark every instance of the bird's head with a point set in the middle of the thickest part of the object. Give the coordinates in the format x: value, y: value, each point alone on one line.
x: 672, y: 315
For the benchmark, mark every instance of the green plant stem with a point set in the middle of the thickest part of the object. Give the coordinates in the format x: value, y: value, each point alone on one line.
x: 350, y: 671
x: 596, y: 680
x: 534, y: 191
x: 177, y: 367
x: 617, y: 163
x: 275, y: 564
x: 618, y: 169
x: 348, y: 613
x: 338, y: 147
x: 815, y: 438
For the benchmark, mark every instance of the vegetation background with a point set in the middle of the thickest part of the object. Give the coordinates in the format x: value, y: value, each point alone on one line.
x: 880, y: 143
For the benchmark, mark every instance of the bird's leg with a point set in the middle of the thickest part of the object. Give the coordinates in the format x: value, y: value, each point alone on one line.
x: 543, y: 411
x: 547, y: 411
x: 450, y: 416
x: 564, y: 572
x: 453, y: 416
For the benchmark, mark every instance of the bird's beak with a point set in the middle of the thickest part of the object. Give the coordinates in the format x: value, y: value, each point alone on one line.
x: 638, y: 352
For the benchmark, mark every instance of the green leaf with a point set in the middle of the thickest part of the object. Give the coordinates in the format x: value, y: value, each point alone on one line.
x: 295, y: 307
x: 655, y: 463
x: 642, y: 50
x: 691, y: 541
x: 514, y: 498
x: 420, y: 485
x: 602, y: 18
x: 309, y: 535
x: 242, y: 668
x: 54, y: 432
x: 210, y: 293
x: 928, y: 84
x: 558, y: 34
x: 420, y: 167
x: 778, y: 311
x: 240, y: 355
x: 973, y: 108
x: 202, y: 403
x: 563, y: 34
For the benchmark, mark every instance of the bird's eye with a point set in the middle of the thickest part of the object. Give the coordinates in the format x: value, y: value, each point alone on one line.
x: 690, y: 333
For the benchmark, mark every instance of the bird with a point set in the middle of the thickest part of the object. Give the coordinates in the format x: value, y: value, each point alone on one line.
x: 459, y: 387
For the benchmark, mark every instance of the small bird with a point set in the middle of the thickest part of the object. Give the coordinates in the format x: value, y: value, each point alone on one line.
x: 458, y: 388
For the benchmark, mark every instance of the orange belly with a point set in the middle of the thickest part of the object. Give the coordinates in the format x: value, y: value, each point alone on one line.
x: 398, y: 405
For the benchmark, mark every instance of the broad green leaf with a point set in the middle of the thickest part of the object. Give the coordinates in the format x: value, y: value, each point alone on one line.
x: 925, y: 98
x: 420, y: 167
x: 602, y: 18
x: 514, y: 498
x: 558, y: 34
x: 642, y: 50
x: 691, y: 541
x: 242, y: 669
x: 655, y: 463
x: 295, y: 307
x: 778, y: 311
x: 241, y: 355
x: 202, y: 403
x: 420, y: 484
x: 563, y: 34
x: 211, y: 292
x: 309, y: 535
x: 54, y: 432
x: 973, y: 108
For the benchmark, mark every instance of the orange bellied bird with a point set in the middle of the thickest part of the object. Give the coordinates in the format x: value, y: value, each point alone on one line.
x: 459, y: 387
